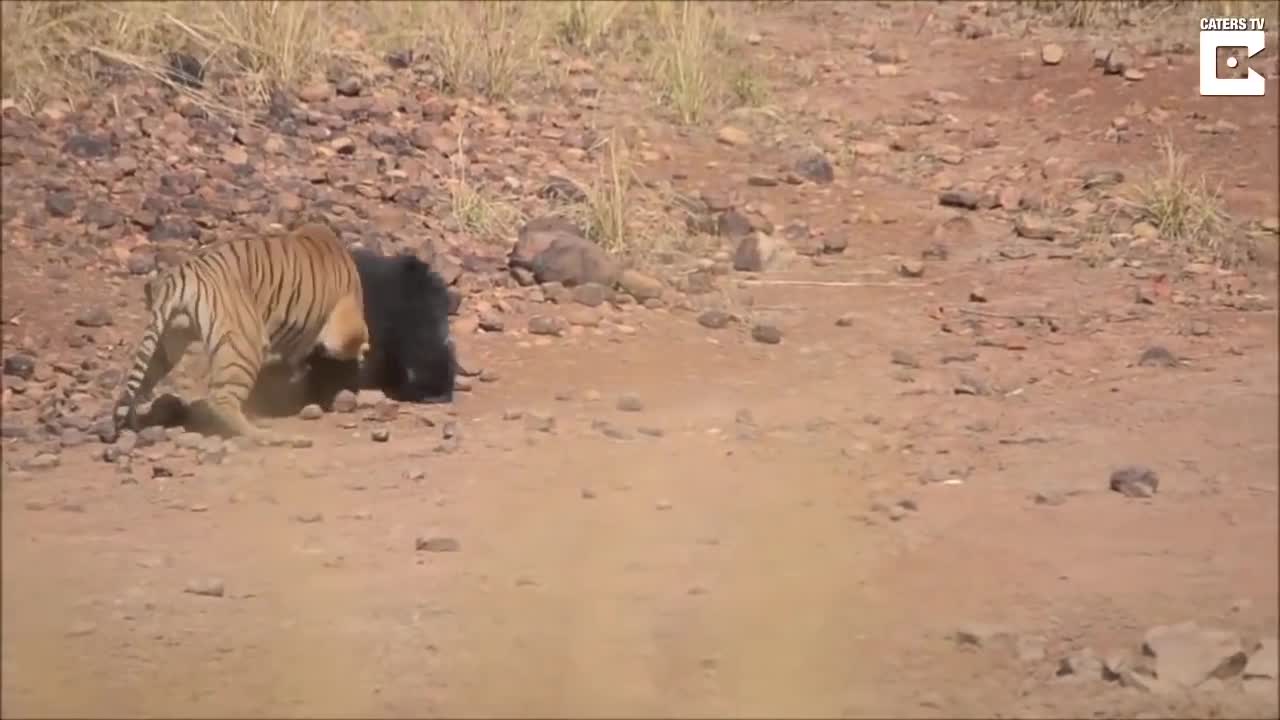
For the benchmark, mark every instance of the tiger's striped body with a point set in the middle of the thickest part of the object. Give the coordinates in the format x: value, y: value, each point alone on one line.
x: 249, y: 301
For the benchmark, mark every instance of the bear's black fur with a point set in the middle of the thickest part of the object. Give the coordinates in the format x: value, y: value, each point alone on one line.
x: 411, y: 356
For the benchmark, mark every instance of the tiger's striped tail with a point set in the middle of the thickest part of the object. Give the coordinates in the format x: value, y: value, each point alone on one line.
x: 141, y: 377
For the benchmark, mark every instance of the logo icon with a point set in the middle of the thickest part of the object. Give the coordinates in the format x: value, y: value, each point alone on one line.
x: 1218, y: 33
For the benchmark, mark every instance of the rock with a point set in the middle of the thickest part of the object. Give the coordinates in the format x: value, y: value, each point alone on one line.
x: 1135, y: 481
x: 1034, y: 227
x: 343, y: 145
x: 562, y: 188
x: 208, y: 587
x: 766, y: 333
x: 1157, y: 356
x: 539, y: 422
x: 590, y: 294
x: 1134, y: 75
x: 556, y: 251
x: 1265, y: 661
x: 316, y: 92
x: 547, y: 325
x: 1145, y: 230
x: 959, y: 198
x: 88, y: 146
x: 835, y: 244
x: 20, y: 365
x: 43, y: 461
x: 399, y: 59
x: 236, y: 155
x: 1083, y: 664
x: 311, y: 412
x: 982, y: 634
x: 1052, y: 498
x: 1051, y: 54
x: 1102, y: 179
x: 756, y: 252
x: 729, y: 135
x: 846, y: 320
x: 491, y: 321
x: 60, y: 204
x: 140, y: 262
x: 733, y: 224
x: 344, y: 402
x: 630, y: 402
x: 437, y: 544
x: 714, y: 319
x: 1188, y: 655
x: 349, y: 86
x: 911, y: 268
x: 904, y: 358
x: 1117, y: 62
x: 815, y: 167
x: 640, y: 286
x: 978, y: 294
x: 573, y: 262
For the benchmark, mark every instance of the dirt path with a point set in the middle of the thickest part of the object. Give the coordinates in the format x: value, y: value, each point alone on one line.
x: 904, y: 513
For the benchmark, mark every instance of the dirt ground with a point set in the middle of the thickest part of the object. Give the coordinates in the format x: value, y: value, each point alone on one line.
x: 900, y: 509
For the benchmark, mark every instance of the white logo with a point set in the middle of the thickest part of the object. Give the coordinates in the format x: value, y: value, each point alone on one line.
x: 1229, y: 33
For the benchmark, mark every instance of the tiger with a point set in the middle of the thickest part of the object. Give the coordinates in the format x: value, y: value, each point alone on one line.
x: 251, y: 302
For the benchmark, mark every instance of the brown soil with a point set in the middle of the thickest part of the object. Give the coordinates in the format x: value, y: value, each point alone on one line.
x: 737, y: 546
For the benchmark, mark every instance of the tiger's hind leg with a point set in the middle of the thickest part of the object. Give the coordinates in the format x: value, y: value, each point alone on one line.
x: 168, y: 351
x: 235, y: 359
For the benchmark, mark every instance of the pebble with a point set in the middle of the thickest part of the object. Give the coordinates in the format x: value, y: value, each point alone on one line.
x: 911, y: 268
x: 630, y: 402
x: 439, y: 544
x: 766, y: 333
x: 208, y: 587
x: 1135, y: 481
x: 714, y: 319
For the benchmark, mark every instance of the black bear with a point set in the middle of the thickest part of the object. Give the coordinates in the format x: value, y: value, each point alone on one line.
x: 411, y: 356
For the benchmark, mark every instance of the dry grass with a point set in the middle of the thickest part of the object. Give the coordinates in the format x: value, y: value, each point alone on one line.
x: 1093, y: 13
x: 684, y: 59
x: 476, y: 211
x: 589, y: 26
x: 488, y: 48
x: 1186, y: 211
x: 630, y: 219
x: 66, y: 50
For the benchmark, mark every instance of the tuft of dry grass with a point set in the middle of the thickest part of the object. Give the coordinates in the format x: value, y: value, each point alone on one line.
x: 67, y: 49
x: 588, y: 25
x: 1093, y: 14
x: 489, y: 48
x: 46, y: 47
x: 685, y: 58
x: 609, y: 201
x: 1186, y: 211
x: 477, y: 212
x: 627, y: 218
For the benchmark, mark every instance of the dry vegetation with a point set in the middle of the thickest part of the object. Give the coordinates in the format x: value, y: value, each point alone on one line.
x: 1186, y: 211
x: 1091, y: 14
x: 59, y: 50
x: 64, y: 52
